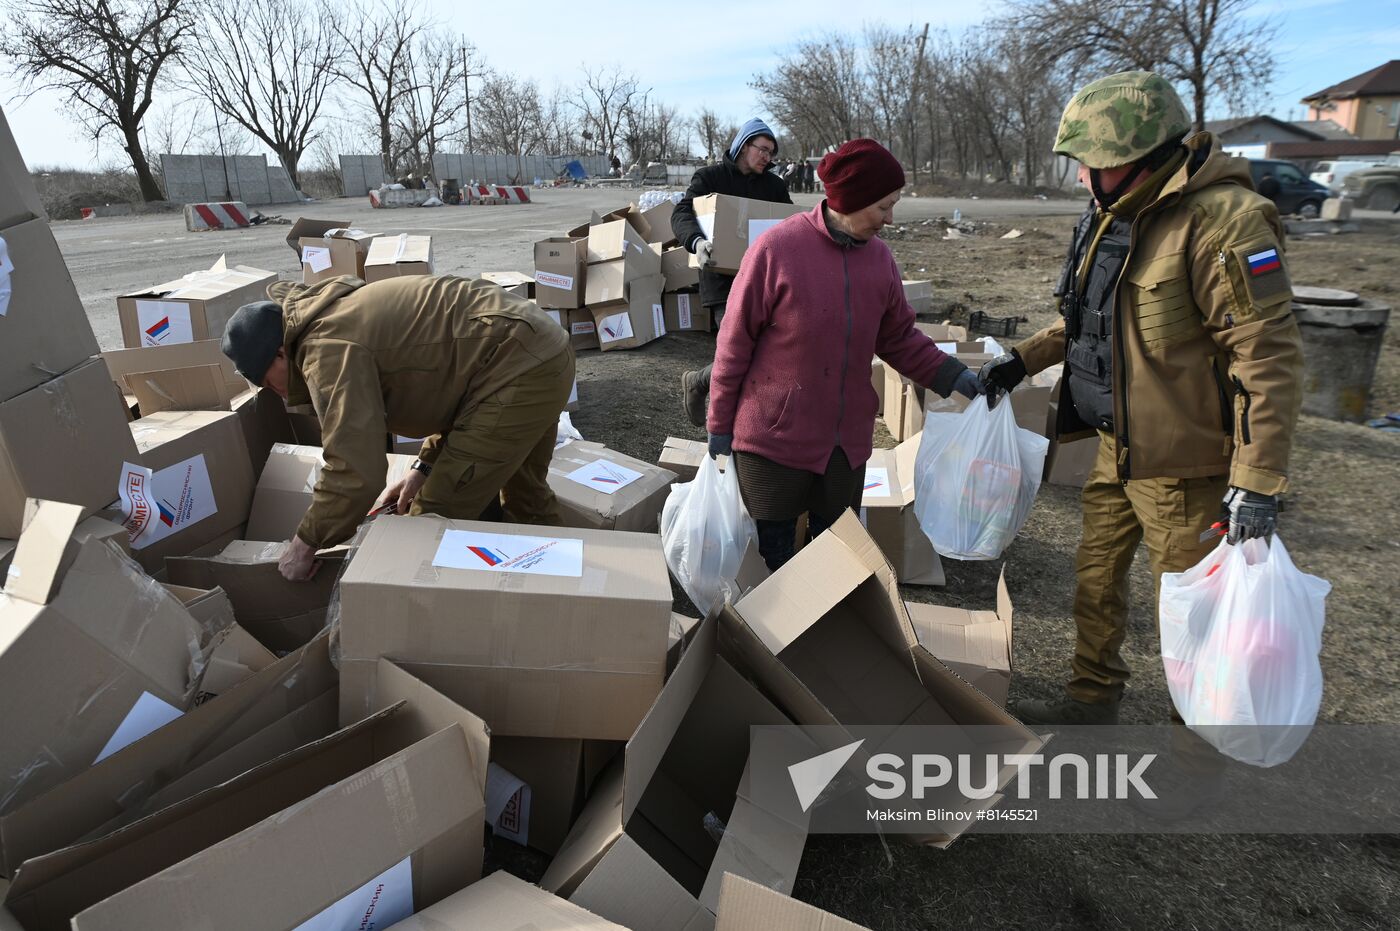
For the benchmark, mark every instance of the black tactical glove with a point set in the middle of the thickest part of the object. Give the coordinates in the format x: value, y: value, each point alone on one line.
x: 1251, y: 514
x: 1001, y: 375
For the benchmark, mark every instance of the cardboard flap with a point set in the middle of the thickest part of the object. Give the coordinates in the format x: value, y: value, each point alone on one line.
x: 648, y: 745
x: 905, y: 455
x: 1004, y: 607
x: 503, y: 901
x: 199, y: 388
x: 745, y: 905
x: 430, y: 711
x: 35, y: 571
x: 983, y: 645
x: 305, y: 226
x: 593, y: 834
x: 789, y: 601
x: 629, y: 887
x: 757, y: 845
x: 964, y: 704
x: 123, y: 362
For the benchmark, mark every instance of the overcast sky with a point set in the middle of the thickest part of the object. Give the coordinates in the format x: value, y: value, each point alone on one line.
x: 707, y: 53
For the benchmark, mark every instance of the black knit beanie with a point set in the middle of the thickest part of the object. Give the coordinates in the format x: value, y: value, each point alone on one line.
x: 252, y: 338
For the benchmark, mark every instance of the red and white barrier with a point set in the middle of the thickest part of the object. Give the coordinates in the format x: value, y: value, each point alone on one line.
x: 216, y: 216
x: 498, y: 193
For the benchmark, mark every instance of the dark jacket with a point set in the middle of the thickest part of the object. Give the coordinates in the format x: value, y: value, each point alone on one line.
x: 722, y: 178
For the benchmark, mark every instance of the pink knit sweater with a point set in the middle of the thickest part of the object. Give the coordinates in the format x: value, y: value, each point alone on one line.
x: 791, y: 378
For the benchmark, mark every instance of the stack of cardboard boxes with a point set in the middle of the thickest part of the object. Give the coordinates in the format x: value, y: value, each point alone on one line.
x: 623, y: 289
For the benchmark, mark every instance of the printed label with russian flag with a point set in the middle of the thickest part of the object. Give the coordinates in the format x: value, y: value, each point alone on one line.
x: 877, y: 483
x: 164, y: 323
x: 602, y: 475
x: 498, y: 552
x: 158, y: 504
x: 1263, y: 262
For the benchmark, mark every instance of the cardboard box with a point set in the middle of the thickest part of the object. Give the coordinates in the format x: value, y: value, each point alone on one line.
x: 559, y: 272
x: 44, y: 329
x: 122, y: 783
x: 407, y: 776
x: 1069, y: 464
x: 974, y: 644
x: 190, y: 485
x: 65, y: 440
x: 397, y: 256
x: 19, y: 199
x: 658, y: 221
x: 678, y: 638
x: 551, y: 769
x: 683, y: 457
x: 287, y: 487
x: 942, y: 332
x: 877, y: 381
x: 745, y: 905
x: 282, y: 615
x: 602, y: 489
x: 129, y: 367
x: 887, y: 511
x: 829, y: 633
x: 676, y: 270
x: 501, y: 901
x: 520, y: 285
x: 583, y: 654
x: 265, y: 422
x: 329, y: 248
x: 919, y: 295
x: 583, y: 332
x: 634, y: 324
x: 81, y: 622
x: 236, y: 657
x: 1030, y: 403
x: 735, y: 223
x: 609, y: 282
x: 640, y: 854
x: 685, y: 312
x: 191, y: 308
x: 903, y: 405
x: 615, y: 239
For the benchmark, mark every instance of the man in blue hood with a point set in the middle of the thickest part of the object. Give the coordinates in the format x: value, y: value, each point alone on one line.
x: 743, y: 173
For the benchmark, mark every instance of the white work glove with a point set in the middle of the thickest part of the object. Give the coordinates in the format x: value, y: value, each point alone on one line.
x: 704, y: 251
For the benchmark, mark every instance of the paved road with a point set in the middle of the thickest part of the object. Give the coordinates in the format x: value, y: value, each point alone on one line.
x: 117, y: 255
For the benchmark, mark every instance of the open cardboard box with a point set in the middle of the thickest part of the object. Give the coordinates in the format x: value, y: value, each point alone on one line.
x: 94, y: 654
x: 887, y: 511
x: 745, y: 906
x: 829, y: 636
x: 397, y: 256
x: 501, y: 901
x: 641, y: 853
x: 410, y: 777
x: 634, y: 322
x: 543, y: 631
x: 974, y: 644
x: 733, y: 224
x: 287, y: 487
x: 195, y: 307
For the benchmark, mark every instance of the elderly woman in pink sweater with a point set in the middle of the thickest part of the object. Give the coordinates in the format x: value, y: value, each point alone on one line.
x: 817, y: 297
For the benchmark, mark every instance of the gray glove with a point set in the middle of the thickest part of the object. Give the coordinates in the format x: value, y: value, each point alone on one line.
x: 967, y: 384
x: 721, y: 444
x: 704, y: 251
x: 1251, y: 514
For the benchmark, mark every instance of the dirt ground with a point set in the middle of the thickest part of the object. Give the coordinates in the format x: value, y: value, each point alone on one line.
x: 1340, y: 522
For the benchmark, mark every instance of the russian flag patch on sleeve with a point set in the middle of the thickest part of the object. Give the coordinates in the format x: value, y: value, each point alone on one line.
x: 1263, y: 262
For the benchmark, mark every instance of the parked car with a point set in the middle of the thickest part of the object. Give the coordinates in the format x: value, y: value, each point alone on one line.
x: 1331, y: 174
x: 1377, y: 187
x: 1285, y: 185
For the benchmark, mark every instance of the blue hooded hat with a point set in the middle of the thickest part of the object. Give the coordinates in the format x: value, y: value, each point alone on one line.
x: 754, y: 127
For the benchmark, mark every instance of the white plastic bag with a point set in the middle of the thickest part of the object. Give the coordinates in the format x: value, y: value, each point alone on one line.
x: 975, y: 479
x: 566, y: 432
x: 705, y: 529
x: 1241, y: 634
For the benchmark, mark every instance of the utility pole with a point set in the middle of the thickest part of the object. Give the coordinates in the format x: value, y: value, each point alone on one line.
x: 913, y: 110
x: 467, y: 89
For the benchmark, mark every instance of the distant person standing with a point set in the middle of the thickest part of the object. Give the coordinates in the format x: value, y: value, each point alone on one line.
x: 743, y: 173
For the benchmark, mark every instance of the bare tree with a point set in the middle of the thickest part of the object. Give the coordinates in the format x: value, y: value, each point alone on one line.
x: 378, y: 44
x: 559, y: 126
x: 106, y: 56
x: 602, y: 103
x: 817, y: 92
x: 512, y: 118
x: 434, y: 71
x: 709, y: 130
x: 268, y: 65
x: 1205, y: 44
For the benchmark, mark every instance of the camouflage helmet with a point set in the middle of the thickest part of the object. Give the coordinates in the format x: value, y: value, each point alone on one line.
x: 1117, y: 120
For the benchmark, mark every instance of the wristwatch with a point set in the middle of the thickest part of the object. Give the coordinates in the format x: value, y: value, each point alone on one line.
x: 420, y: 466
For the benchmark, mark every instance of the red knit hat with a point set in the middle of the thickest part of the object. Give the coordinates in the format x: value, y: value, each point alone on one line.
x: 858, y: 174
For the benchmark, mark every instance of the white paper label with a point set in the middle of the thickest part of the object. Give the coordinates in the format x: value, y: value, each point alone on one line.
x: 158, y: 505
x: 602, y: 475
x: 582, y: 328
x: 949, y: 348
x: 7, y: 269
x: 551, y: 280
x: 507, y: 805
x: 683, y: 311
x: 495, y: 552
x: 758, y: 227
x: 383, y: 901
x: 163, y: 323
x: 614, y: 328
x: 877, y: 483
x: 658, y: 319
x: 148, y: 714
x: 317, y: 258
x: 707, y: 225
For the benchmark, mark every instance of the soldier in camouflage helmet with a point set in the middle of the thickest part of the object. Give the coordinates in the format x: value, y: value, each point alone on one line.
x: 1181, y: 355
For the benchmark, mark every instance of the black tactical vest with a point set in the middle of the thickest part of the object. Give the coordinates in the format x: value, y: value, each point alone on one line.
x: 1087, y: 303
